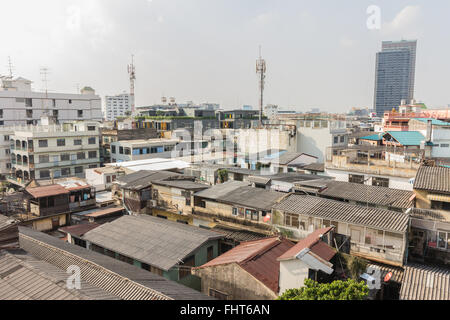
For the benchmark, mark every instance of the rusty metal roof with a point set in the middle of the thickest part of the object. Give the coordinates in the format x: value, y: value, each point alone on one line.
x: 258, y: 257
x: 433, y: 179
x: 313, y: 242
x: 46, y: 191
x: 79, y: 229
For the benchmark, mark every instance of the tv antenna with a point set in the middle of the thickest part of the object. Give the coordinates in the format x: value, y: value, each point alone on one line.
x: 10, y: 67
x: 44, y: 74
x: 132, y: 74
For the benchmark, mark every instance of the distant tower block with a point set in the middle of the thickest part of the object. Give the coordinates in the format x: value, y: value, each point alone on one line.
x: 261, y: 72
x: 132, y: 74
x: 164, y: 100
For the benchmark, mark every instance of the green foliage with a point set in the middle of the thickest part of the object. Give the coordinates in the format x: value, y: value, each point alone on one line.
x: 223, y: 175
x: 336, y: 290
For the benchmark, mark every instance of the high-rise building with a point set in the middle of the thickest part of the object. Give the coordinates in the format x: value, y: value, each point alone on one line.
x: 394, y: 74
x: 117, y: 106
x: 20, y: 105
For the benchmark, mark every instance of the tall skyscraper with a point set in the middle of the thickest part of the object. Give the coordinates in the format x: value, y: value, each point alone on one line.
x: 394, y: 74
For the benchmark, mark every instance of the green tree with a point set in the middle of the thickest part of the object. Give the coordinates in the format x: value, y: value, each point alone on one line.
x: 336, y: 290
x: 223, y: 175
x: 356, y: 266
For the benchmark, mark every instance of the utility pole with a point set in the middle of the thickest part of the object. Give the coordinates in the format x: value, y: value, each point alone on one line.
x: 261, y: 71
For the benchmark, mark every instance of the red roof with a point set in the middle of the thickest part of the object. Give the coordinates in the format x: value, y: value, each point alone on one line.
x: 312, y: 242
x: 258, y: 257
x: 79, y: 229
x: 46, y: 191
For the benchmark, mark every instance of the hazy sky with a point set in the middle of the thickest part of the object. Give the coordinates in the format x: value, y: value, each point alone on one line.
x: 318, y: 53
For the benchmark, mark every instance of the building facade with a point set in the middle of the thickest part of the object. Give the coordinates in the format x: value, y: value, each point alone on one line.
x: 117, y: 106
x: 394, y: 74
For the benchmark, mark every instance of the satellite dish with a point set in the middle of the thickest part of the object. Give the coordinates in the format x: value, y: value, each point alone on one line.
x: 388, y: 277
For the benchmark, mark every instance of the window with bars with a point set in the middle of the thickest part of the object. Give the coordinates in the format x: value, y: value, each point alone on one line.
x: 291, y: 220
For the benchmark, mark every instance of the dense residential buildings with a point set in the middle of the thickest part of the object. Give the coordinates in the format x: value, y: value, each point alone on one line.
x: 117, y: 106
x: 20, y: 105
x: 394, y: 74
x: 54, y: 150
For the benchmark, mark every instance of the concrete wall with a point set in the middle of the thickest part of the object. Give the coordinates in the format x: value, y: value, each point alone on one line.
x: 292, y: 274
x: 231, y: 279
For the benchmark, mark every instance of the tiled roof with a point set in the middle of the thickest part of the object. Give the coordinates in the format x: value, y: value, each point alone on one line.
x: 46, y: 191
x: 259, y: 258
x: 158, y: 242
x: 433, y: 179
x: 340, y: 211
x: 24, y: 277
x: 314, y: 167
x: 146, y: 178
x: 422, y: 282
x: 313, y: 242
x: 118, y: 278
x: 407, y: 138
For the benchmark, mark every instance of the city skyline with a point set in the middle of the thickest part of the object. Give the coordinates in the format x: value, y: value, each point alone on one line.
x: 91, y: 42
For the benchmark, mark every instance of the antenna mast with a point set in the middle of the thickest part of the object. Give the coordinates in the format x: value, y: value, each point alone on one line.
x: 132, y: 73
x: 10, y: 67
x: 44, y: 74
x: 261, y: 71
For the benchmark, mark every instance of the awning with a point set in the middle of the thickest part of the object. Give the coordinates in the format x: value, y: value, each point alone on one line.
x: 438, y: 197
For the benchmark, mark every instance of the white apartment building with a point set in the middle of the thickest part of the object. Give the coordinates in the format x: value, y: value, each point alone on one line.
x: 54, y: 150
x: 131, y: 150
x: 117, y: 106
x: 19, y: 105
x: 271, y: 111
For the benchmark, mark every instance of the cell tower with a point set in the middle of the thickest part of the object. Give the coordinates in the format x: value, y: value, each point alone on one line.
x: 261, y: 71
x: 10, y: 67
x: 44, y: 73
x: 132, y: 73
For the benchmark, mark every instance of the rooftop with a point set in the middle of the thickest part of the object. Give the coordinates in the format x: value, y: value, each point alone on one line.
x: 258, y: 257
x: 144, y: 178
x: 155, y: 241
x: 79, y: 229
x: 117, y: 278
x: 407, y: 138
x: 433, y: 179
x: 46, y: 191
x: 421, y: 282
x: 434, y: 122
x: 340, y: 211
x: 154, y: 164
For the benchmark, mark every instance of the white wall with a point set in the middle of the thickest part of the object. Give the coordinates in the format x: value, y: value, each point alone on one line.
x: 292, y: 274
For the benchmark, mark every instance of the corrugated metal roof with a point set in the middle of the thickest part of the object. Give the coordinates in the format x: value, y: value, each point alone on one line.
x: 365, y: 193
x: 259, y: 258
x: 421, y: 282
x: 433, y: 179
x: 320, y: 167
x: 186, y: 184
x: 434, y: 122
x: 373, y: 137
x: 46, y: 191
x: 155, y: 241
x: 250, y: 197
x: 24, y: 277
x: 344, y: 212
x: 407, y: 138
x: 118, y: 278
x: 311, y: 241
x: 145, y: 180
x: 397, y: 272
x: 79, y: 229
x: 238, y: 235
x: 220, y: 190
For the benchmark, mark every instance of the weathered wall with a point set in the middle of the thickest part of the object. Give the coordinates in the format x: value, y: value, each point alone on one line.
x: 292, y: 274
x: 234, y: 281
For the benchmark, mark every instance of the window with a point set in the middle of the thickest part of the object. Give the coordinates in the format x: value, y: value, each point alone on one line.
x: 70, y: 101
x: 255, y: 215
x: 210, y: 253
x: 380, y: 182
x: 241, y: 212
x: 443, y: 240
x: 217, y: 294
x: 6, y: 138
x: 29, y: 113
x: 1, y: 113
x: 92, y: 166
x: 43, y: 143
x: 44, y: 158
x: 28, y: 102
x: 77, y: 142
x: 61, y: 142
x: 356, y: 178
x: 65, y: 157
x: 121, y: 150
x: 55, y: 113
x: 92, y: 154
x: 235, y: 211
x: 65, y: 171
x: 54, y: 103
x: 92, y: 140
x: 108, y: 179
x: 127, y: 151
x: 185, y: 268
x: 80, y: 113
x: 113, y: 149
x: 336, y: 139
x: 81, y: 155
x: 91, y: 128
x: 291, y: 220
x: 78, y: 169
x: 342, y: 138
x: 445, y: 145
x: 43, y: 174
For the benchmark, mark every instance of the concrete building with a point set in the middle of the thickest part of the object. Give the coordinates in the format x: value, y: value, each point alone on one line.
x: 394, y: 74
x: 271, y: 111
x: 132, y: 150
x: 117, y: 106
x: 54, y: 151
x: 19, y: 105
